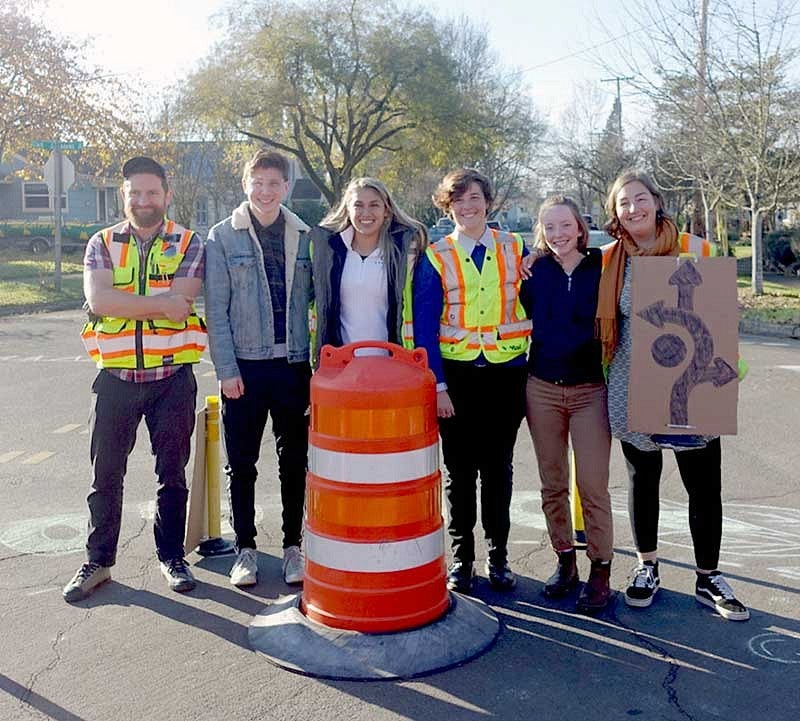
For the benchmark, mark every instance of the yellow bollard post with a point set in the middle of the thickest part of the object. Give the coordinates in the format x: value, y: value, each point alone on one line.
x: 214, y: 545
x: 578, y: 528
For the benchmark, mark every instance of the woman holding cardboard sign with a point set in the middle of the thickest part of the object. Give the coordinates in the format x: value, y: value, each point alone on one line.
x: 641, y: 227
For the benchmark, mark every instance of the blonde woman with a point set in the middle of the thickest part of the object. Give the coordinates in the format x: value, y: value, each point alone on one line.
x: 566, y: 397
x: 364, y: 253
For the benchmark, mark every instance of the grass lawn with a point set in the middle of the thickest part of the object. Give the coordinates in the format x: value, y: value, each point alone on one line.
x: 780, y: 302
x: 26, y: 281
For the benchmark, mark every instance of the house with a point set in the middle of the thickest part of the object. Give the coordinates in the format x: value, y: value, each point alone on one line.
x: 206, y: 187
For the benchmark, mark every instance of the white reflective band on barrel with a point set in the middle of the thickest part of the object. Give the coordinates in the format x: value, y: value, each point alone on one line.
x: 373, y: 557
x: 374, y: 468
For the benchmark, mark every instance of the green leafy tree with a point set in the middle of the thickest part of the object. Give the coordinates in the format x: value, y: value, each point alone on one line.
x: 355, y: 87
x: 47, y: 93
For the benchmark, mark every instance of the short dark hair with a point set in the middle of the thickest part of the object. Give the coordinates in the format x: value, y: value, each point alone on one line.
x: 267, y: 158
x: 456, y: 183
x: 141, y: 165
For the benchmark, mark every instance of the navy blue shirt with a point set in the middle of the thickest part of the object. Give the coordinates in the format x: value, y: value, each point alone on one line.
x: 564, y: 349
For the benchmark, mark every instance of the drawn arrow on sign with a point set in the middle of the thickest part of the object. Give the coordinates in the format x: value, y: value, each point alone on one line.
x: 720, y: 374
x: 687, y: 279
x: 699, y: 370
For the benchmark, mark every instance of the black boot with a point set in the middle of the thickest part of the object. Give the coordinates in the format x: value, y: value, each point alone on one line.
x: 565, y: 577
x: 596, y: 592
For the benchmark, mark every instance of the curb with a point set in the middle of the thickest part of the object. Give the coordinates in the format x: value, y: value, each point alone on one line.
x: 776, y: 330
x: 9, y: 310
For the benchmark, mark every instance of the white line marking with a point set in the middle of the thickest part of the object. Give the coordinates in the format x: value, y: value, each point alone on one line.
x: 10, y: 456
x: 38, y: 458
x: 209, y: 374
x: 68, y: 428
x: 789, y: 368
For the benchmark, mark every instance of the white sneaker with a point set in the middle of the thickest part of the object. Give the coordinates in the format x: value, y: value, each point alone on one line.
x: 245, y: 570
x: 293, y: 563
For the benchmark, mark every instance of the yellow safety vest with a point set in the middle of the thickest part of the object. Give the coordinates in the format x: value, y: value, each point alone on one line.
x: 126, y: 343
x: 482, y: 312
x: 408, y: 315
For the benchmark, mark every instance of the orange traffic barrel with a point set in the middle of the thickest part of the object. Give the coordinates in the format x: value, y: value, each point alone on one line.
x: 374, y: 541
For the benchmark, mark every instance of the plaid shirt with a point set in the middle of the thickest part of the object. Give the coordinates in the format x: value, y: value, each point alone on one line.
x: 97, y: 257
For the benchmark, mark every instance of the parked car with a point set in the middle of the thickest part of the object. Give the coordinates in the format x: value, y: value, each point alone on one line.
x: 442, y: 227
x: 497, y: 225
x: 38, y: 237
x: 599, y: 238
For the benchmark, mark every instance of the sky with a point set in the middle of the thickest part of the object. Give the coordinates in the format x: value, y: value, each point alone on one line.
x: 554, y: 44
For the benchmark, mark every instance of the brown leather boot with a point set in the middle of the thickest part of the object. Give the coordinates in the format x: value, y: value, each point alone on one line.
x: 565, y: 577
x: 596, y: 593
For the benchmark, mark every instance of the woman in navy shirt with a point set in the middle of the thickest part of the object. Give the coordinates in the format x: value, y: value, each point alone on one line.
x: 566, y: 397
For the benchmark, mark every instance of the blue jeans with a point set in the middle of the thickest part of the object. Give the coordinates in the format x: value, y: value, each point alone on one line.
x: 168, y: 408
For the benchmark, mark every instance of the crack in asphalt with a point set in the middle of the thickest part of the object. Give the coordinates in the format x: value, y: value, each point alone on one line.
x: 669, y: 681
x: 54, y: 662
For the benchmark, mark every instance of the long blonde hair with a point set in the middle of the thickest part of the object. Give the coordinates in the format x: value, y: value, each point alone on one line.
x: 338, y: 219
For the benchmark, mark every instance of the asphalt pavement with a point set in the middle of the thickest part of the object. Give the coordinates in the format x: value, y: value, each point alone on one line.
x: 136, y: 651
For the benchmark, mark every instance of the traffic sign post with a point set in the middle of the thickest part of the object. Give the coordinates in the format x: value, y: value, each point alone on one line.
x: 58, y: 171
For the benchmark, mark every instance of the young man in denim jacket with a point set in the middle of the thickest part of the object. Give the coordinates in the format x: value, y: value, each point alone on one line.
x: 258, y: 291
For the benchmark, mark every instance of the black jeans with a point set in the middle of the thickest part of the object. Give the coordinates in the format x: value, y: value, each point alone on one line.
x: 168, y: 408
x: 280, y: 389
x: 489, y: 405
x: 701, y: 473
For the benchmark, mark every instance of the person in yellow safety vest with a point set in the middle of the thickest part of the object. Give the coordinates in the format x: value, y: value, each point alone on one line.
x: 641, y: 227
x: 364, y: 252
x: 468, y: 316
x: 140, y: 280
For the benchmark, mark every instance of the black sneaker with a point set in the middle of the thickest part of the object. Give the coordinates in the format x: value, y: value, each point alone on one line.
x: 501, y: 577
x: 460, y: 576
x: 178, y: 575
x: 713, y: 590
x: 88, y: 577
x: 643, y: 585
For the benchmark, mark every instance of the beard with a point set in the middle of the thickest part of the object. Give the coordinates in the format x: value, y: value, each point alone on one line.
x: 145, y: 217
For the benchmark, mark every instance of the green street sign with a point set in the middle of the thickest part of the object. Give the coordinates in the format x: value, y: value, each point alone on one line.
x: 62, y: 145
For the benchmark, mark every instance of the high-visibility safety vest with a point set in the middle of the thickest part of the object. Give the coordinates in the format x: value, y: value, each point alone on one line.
x: 482, y: 312
x: 139, y: 344
x: 408, y: 314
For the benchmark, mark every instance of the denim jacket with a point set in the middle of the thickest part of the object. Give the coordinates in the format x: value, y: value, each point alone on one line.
x: 237, y: 298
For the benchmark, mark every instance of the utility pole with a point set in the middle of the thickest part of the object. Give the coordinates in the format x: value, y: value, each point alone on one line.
x: 701, y: 216
x: 618, y: 80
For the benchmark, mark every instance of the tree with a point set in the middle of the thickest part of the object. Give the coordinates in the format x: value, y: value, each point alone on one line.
x: 588, y: 155
x: 346, y: 86
x: 726, y: 119
x: 200, y: 161
x: 46, y: 93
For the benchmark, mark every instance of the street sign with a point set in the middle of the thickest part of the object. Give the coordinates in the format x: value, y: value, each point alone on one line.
x: 67, y: 173
x: 62, y: 144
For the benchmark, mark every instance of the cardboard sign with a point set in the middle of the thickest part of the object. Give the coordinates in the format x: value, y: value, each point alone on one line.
x: 684, y: 326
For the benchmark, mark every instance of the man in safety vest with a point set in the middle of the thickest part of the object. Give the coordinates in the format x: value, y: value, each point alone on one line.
x: 140, y: 279
x: 468, y: 317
